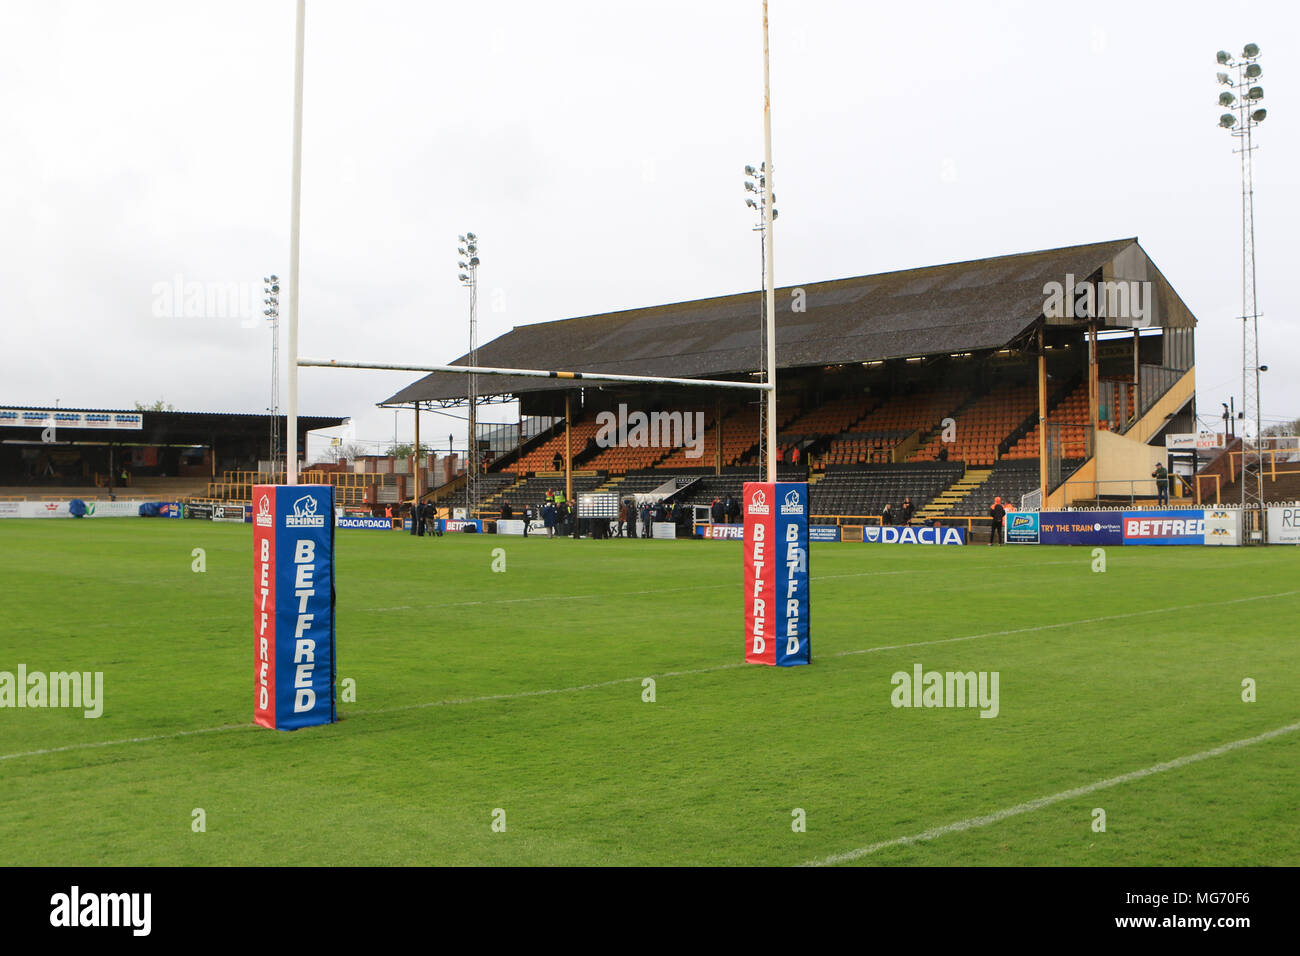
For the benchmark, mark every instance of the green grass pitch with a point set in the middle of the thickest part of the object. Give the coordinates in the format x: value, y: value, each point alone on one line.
x: 522, y: 692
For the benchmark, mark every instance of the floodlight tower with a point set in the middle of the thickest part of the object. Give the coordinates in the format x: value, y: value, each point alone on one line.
x: 1246, y: 113
x: 271, y: 286
x: 468, y: 276
x: 758, y: 198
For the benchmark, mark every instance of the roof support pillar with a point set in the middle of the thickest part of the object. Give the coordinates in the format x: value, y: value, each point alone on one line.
x: 568, y: 448
x: 1042, y: 418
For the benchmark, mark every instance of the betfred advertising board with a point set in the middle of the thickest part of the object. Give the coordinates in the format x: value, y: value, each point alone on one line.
x: 722, y: 532
x: 293, y: 606
x: 1164, y: 527
x: 777, y: 628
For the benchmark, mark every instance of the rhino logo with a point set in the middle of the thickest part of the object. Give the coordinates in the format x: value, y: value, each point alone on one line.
x: 304, y: 514
x: 792, y: 504
x: 758, y: 503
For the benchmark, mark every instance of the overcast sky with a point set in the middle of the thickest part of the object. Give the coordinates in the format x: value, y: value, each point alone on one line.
x: 597, y: 148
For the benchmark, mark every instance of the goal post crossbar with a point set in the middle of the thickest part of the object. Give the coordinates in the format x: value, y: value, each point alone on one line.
x: 538, y: 373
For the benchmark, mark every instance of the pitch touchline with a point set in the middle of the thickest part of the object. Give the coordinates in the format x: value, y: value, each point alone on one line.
x: 521, y: 695
x: 1032, y: 805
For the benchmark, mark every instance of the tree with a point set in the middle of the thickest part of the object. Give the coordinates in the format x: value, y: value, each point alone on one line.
x: 1289, y: 428
x: 404, y: 450
x: 348, y: 450
x: 158, y: 406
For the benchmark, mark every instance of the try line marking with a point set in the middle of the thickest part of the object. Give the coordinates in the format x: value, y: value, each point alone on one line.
x: 735, y: 665
x: 1032, y: 805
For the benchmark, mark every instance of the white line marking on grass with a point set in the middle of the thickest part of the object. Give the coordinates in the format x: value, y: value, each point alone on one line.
x: 1032, y: 805
x: 735, y: 665
x: 128, y: 740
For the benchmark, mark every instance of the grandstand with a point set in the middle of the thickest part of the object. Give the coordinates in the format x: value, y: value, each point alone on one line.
x: 166, y: 455
x: 948, y: 384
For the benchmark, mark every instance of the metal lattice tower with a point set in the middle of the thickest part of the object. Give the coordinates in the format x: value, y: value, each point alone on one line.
x: 756, y: 183
x: 469, y: 263
x: 271, y: 285
x: 1247, y: 113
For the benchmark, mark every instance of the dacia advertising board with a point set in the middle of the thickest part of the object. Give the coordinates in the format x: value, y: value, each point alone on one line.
x: 293, y: 606
x: 909, y: 534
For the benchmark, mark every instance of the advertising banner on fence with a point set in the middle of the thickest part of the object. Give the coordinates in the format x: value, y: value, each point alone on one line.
x: 1164, y: 527
x: 1284, y: 525
x: 908, y: 534
x: 371, y: 524
x: 777, y: 628
x: 721, y: 532
x: 460, y: 524
x: 1021, y: 527
x: 1223, y: 526
x: 823, y: 532
x: 293, y: 606
x: 1080, y: 527
x: 228, y: 513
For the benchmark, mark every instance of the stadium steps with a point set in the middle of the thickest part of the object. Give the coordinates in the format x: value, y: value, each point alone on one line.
x: 946, y: 500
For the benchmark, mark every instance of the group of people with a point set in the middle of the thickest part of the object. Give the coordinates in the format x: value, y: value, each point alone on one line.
x: 904, y: 516
x: 725, y: 512
x: 424, y: 517
x: 648, y: 514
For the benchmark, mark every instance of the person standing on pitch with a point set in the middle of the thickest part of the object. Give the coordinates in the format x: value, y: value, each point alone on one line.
x: 645, y: 519
x: 416, y: 523
x: 997, y: 513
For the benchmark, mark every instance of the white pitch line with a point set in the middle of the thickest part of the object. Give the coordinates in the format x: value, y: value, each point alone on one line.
x: 1032, y: 805
x: 735, y: 665
x: 127, y: 740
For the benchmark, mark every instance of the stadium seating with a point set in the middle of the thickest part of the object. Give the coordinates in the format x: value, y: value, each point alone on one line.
x: 867, y: 489
x: 983, y: 425
x: 1072, y: 414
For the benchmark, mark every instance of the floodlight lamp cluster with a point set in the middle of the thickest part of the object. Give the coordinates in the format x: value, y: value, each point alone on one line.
x: 756, y: 183
x: 469, y: 260
x: 1248, y: 69
x: 271, y: 286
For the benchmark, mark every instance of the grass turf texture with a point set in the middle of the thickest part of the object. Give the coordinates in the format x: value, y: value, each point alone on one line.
x: 707, y: 774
